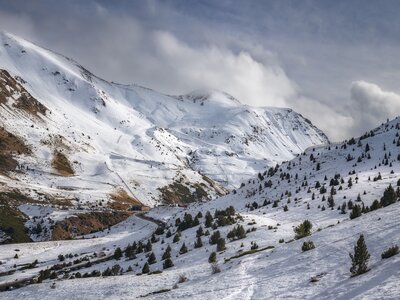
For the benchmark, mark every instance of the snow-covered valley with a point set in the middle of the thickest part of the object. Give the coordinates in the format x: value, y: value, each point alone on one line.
x: 256, y: 173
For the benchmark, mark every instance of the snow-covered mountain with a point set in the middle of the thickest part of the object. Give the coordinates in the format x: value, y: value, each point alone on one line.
x: 78, y: 138
x: 344, y: 190
x: 77, y: 152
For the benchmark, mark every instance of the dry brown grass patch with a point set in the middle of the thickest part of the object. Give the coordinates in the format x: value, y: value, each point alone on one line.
x: 61, y: 163
x: 86, y: 223
x: 25, y: 101
x: 10, y: 146
x: 122, y: 201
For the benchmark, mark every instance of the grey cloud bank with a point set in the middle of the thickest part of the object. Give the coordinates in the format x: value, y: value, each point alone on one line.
x: 336, y: 62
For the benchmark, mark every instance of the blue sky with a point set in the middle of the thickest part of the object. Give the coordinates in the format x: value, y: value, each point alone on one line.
x: 336, y: 62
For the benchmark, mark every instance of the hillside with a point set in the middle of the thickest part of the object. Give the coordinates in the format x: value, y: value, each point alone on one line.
x: 262, y: 260
x: 89, y: 138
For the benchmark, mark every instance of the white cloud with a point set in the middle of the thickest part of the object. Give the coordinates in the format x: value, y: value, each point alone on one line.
x: 370, y: 105
x: 332, y: 122
x: 216, y: 67
x: 190, y: 54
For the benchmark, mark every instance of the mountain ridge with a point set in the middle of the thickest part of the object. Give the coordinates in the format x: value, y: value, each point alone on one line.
x: 106, y: 127
x: 241, y: 245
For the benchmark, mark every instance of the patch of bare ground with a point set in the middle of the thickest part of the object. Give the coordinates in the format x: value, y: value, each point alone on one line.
x: 61, y: 201
x: 122, y: 201
x: 10, y: 146
x: 56, y: 141
x: 86, y: 223
x: 11, y: 219
x: 11, y: 89
x: 178, y: 192
x: 61, y: 164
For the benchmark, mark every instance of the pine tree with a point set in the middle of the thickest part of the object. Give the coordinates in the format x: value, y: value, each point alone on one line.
x: 146, y: 268
x: 153, y: 238
x: 168, y: 263
x: 199, y: 231
x: 186, y: 223
x: 152, y: 258
x: 350, y: 183
x: 117, y: 253
x: 212, y: 258
x: 350, y: 204
x: 183, y: 249
x: 167, y: 253
x: 393, y: 250
x: 177, y: 237
x: 355, y: 212
x: 149, y: 246
x: 333, y: 191
x: 360, y: 257
x: 364, y: 209
x: 308, y: 245
x: 389, y: 196
x: 198, y: 243
x: 375, y: 205
x: 304, y: 229
x: 343, y: 208
x: 240, y: 232
x: 221, y: 244
x: 160, y: 230
x: 129, y: 251
x: 254, y: 246
x: 331, y: 202
x: 209, y: 219
x: 215, y: 237
x: 139, y: 247
x: 322, y: 190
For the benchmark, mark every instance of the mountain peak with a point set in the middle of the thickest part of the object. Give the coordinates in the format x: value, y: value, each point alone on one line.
x: 7, y: 38
x: 210, y: 95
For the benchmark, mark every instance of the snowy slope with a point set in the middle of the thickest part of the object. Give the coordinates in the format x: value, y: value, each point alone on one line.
x: 133, y: 138
x: 280, y: 270
x: 282, y: 273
